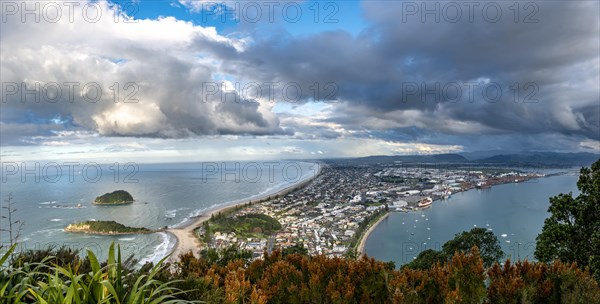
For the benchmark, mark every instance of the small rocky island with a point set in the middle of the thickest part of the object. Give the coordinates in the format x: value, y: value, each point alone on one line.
x: 119, y: 197
x: 105, y: 228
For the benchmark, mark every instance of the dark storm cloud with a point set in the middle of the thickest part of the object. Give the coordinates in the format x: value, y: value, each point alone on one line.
x: 554, y: 62
x: 378, y: 82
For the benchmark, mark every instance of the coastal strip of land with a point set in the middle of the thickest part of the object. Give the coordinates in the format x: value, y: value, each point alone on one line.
x: 360, y: 249
x: 186, y: 238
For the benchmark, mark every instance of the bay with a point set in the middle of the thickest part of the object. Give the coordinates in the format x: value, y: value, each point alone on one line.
x: 514, y: 212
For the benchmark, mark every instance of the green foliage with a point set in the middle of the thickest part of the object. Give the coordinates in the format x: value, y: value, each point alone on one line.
x: 116, y: 197
x: 486, y: 241
x: 105, y: 227
x: 294, y: 278
x: 206, y: 237
x: 47, y: 282
x: 572, y: 232
x: 426, y: 259
x: 525, y: 282
x: 225, y: 256
x: 362, y: 228
x: 490, y: 251
x: 247, y: 225
x: 227, y: 276
x: 296, y: 249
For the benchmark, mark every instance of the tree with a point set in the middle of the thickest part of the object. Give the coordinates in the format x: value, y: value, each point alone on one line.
x: 572, y: 232
x: 427, y: 258
x: 486, y: 242
x: 296, y: 249
x: 224, y: 256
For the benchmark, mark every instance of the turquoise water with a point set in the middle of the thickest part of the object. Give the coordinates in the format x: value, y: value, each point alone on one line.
x: 165, y: 194
x: 514, y: 212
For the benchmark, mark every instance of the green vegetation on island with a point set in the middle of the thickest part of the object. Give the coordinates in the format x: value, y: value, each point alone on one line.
x: 247, y: 225
x: 104, y: 227
x: 119, y: 197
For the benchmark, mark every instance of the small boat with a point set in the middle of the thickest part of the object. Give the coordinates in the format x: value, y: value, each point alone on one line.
x: 483, y: 185
x: 426, y: 202
x: 447, y: 194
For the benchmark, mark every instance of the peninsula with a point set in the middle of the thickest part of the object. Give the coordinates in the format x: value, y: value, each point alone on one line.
x: 105, y: 228
x: 119, y: 197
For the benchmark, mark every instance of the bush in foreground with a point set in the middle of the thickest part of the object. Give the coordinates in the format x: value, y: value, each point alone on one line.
x: 54, y: 280
x: 230, y: 277
x: 296, y: 278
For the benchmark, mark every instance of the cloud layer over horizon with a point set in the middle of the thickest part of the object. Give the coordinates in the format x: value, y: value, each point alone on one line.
x: 444, y: 86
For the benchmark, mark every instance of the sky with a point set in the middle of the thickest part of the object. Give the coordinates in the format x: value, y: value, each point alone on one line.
x: 183, y: 80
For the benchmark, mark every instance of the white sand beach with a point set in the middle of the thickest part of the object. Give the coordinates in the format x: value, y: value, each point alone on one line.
x: 187, y: 241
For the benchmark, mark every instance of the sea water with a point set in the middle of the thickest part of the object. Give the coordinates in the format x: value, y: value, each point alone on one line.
x: 165, y: 195
x: 514, y: 212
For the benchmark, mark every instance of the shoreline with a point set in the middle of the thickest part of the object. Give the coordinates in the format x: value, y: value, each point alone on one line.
x: 113, y: 204
x: 187, y: 241
x: 360, y: 249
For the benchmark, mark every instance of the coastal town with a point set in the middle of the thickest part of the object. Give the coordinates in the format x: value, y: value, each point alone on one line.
x: 330, y: 215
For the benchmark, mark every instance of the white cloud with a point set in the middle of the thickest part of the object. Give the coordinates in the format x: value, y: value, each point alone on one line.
x: 153, y: 63
x: 590, y: 145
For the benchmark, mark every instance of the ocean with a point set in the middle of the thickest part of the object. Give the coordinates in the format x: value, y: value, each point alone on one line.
x: 514, y: 212
x: 49, y: 196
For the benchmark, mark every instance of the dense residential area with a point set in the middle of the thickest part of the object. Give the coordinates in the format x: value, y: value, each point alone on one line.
x: 328, y: 216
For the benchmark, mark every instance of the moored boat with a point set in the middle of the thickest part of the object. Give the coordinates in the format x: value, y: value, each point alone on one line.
x: 424, y: 203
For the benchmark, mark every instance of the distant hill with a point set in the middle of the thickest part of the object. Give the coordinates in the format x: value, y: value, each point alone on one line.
x: 546, y: 159
x: 477, y: 155
x: 543, y: 158
x: 434, y: 158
